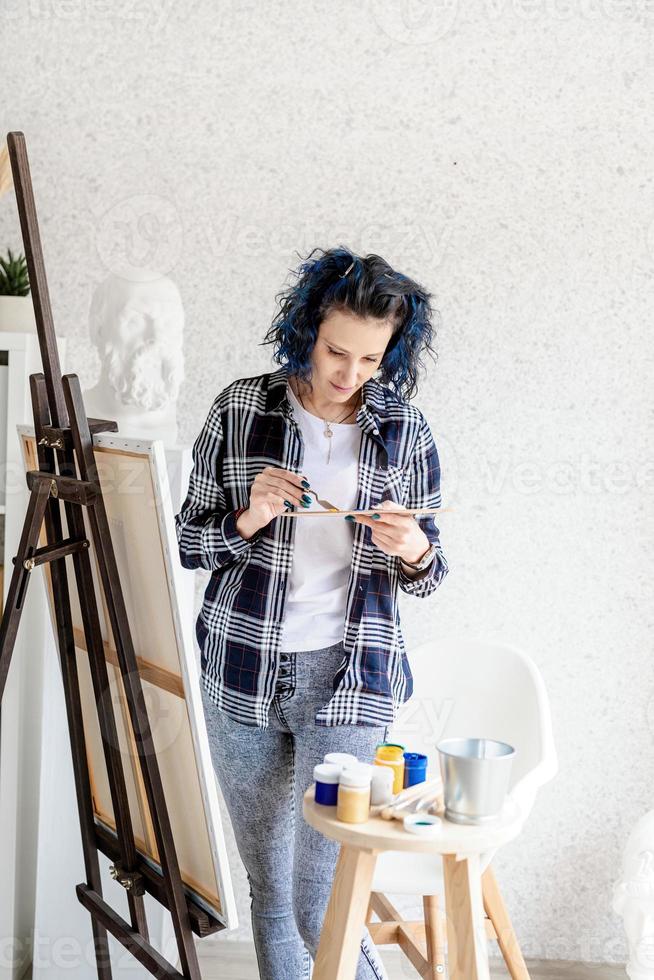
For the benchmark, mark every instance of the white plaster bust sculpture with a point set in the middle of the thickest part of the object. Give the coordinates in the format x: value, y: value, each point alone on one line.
x: 136, y: 321
x: 633, y: 898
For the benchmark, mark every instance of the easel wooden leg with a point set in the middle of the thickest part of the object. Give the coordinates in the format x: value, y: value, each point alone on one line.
x: 29, y: 542
x: 506, y: 937
x: 340, y: 940
x: 467, y: 947
x: 434, y: 935
x: 117, y: 610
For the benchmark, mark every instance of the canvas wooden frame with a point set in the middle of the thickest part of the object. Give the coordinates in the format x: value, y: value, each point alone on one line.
x: 135, y: 487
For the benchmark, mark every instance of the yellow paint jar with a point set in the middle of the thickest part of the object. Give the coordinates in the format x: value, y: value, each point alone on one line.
x: 392, y: 755
x: 353, y: 805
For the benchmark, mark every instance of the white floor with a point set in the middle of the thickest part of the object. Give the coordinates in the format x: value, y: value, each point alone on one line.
x: 237, y: 961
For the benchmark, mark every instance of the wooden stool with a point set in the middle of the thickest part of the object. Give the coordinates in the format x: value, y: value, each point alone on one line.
x: 349, y: 904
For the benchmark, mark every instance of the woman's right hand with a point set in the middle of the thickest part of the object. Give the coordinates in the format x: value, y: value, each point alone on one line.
x: 271, y: 489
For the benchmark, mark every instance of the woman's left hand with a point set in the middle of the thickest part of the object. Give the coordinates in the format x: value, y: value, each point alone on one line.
x: 396, y: 533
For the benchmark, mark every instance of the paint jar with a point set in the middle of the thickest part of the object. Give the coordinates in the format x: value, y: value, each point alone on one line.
x: 354, y: 793
x: 340, y: 759
x: 415, y: 768
x: 392, y: 755
x: 423, y: 824
x: 381, y: 785
x: 326, y: 779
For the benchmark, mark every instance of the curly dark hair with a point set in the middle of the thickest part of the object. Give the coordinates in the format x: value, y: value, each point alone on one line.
x: 371, y: 288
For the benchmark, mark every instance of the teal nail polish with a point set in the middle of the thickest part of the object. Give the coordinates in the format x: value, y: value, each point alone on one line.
x: 287, y: 503
x: 305, y: 504
x: 306, y: 498
x: 376, y: 517
x: 349, y: 517
x: 306, y: 484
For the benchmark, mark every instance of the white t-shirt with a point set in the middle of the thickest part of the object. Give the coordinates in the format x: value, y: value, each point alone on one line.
x: 322, y: 554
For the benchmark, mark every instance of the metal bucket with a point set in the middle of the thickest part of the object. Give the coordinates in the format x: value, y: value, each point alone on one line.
x: 476, y: 774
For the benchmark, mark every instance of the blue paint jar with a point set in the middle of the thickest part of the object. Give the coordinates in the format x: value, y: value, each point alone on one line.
x: 415, y: 768
x: 326, y: 777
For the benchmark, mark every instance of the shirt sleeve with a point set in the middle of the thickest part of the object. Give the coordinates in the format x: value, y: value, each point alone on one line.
x: 424, y: 491
x: 205, y: 527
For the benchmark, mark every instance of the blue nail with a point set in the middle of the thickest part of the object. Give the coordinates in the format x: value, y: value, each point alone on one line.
x: 287, y: 503
x: 376, y: 517
x: 349, y: 517
x: 306, y: 498
x: 305, y: 504
x: 306, y: 484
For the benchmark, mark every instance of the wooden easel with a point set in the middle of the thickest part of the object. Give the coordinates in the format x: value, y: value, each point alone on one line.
x: 68, y: 476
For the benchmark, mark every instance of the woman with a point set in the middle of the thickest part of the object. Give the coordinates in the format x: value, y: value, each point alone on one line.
x: 301, y: 649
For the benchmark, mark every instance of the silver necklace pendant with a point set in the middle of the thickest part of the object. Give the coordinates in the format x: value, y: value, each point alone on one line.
x: 327, y: 432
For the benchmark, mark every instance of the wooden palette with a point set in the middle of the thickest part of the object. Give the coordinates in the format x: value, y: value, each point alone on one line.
x: 375, y: 510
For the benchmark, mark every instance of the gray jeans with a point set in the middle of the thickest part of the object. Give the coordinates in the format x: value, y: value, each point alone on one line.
x: 263, y: 774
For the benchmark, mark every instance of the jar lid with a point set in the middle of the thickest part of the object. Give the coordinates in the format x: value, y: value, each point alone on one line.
x: 326, y: 772
x: 340, y: 758
x: 414, y: 759
x: 390, y: 753
x: 356, y: 775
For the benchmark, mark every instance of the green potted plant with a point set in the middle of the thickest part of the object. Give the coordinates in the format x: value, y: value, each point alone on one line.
x: 16, y: 307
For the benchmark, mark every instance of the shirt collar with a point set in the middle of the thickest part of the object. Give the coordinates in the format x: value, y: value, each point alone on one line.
x: 372, y: 410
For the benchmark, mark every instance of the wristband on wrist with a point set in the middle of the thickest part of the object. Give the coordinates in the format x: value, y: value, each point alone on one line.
x: 424, y: 562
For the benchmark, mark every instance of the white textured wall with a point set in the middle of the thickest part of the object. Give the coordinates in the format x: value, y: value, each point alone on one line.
x: 502, y: 154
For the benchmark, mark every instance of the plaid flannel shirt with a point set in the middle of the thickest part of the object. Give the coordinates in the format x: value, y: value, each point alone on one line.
x: 250, y: 426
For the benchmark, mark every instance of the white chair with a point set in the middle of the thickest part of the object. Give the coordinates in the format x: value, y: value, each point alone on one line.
x: 473, y: 688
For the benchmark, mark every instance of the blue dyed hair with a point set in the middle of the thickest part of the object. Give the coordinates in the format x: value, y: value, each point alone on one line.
x: 371, y: 288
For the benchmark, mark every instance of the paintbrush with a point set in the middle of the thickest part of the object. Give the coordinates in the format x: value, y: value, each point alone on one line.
x: 422, y: 804
x: 411, y: 796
